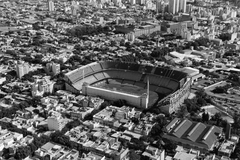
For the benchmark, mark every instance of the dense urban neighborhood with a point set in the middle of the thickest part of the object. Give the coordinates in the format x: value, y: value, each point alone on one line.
x: 119, y: 79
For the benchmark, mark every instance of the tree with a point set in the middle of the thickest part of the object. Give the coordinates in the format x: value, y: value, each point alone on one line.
x: 170, y: 146
x: 225, y: 36
x: 201, y: 101
x: 236, y: 123
x: 182, y: 111
x: 205, y: 117
x: 133, y: 155
x: 119, y: 103
x: 218, y: 118
x: 11, y: 52
x: 233, y: 77
x: 135, y: 120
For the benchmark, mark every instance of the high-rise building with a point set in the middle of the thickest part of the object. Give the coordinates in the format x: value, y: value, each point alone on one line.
x: 74, y: 10
x: 56, y: 122
x: 183, y: 6
x: 42, y: 86
x: 116, y: 2
x: 22, y: 69
x: 176, y: 6
x: 133, y: 2
x: 159, y: 5
x: 189, y: 8
x: 172, y: 6
x: 53, y: 68
x: 51, y: 6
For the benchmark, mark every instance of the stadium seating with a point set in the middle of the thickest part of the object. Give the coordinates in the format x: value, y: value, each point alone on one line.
x: 152, y: 79
x: 152, y: 87
x: 148, y: 69
x: 96, y: 67
x: 112, y: 74
x: 163, y: 90
x: 164, y: 81
x: 161, y: 71
x: 99, y: 76
x: 87, y: 70
x: 173, y: 85
x: 109, y: 65
x: 134, y: 76
x: 133, y: 67
x: 75, y: 76
x: 90, y: 79
x: 123, y: 66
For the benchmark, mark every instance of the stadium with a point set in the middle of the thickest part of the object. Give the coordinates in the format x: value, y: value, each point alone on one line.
x: 140, y: 86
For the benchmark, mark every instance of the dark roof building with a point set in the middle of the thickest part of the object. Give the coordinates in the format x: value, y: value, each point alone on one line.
x: 193, y: 134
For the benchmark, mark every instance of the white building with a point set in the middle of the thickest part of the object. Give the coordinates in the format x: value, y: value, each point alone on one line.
x: 22, y: 69
x: 53, y: 68
x: 42, y: 86
x: 172, y: 6
x: 133, y: 2
x: 51, y: 6
x: 56, y: 123
x: 176, y: 6
x: 183, y: 6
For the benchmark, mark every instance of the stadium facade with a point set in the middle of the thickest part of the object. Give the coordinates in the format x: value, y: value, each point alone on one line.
x: 171, y: 86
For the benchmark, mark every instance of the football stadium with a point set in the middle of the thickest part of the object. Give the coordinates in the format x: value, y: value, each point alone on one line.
x: 139, y: 85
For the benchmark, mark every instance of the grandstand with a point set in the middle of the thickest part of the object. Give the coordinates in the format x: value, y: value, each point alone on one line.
x: 162, y: 81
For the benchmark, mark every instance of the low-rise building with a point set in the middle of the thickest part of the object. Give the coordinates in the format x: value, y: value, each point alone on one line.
x: 57, y: 122
x: 192, y: 134
x: 227, y: 148
x: 56, y: 152
x: 153, y: 153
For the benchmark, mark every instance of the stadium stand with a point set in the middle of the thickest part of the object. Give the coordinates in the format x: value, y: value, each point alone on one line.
x: 112, y: 74
x: 75, y: 75
x: 163, y: 82
x: 148, y: 69
x: 152, y: 79
x: 177, y: 75
x: 106, y: 74
x: 134, y: 76
x: 161, y: 71
x: 122, y: 66
x: 87, y: 70
x: 151, y: 87
x: 96, y: 67
x: 173, y: 85
x: 163, y: 90
x: 133, y: 67
x: 109, y: 65
x: 90, y: 79
x: 99, y: 76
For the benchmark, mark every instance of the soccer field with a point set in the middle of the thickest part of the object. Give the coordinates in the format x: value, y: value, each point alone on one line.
x: 130, y: 89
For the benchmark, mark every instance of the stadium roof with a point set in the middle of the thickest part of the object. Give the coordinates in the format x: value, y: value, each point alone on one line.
x: 191, y: 132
